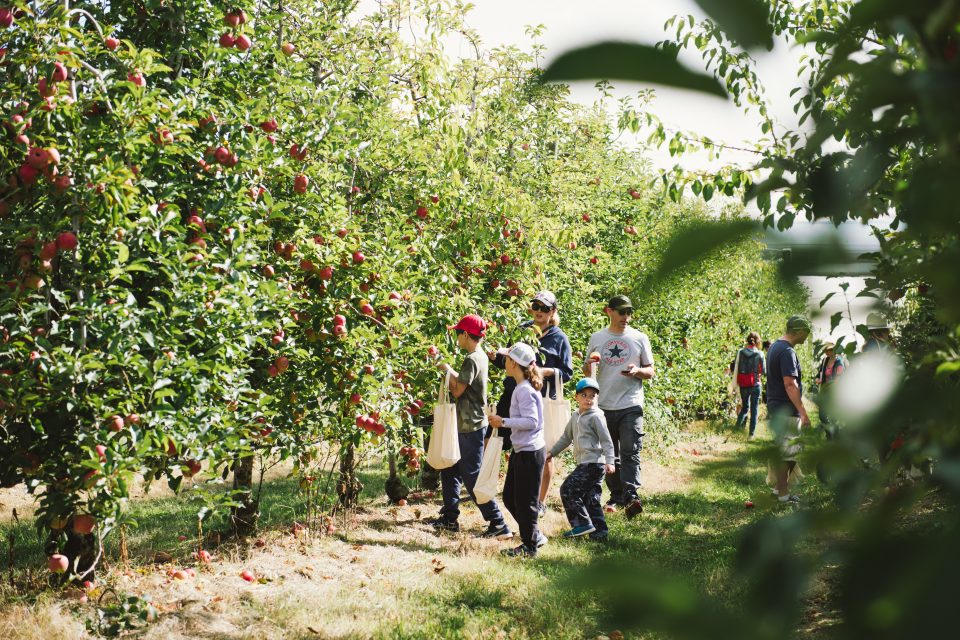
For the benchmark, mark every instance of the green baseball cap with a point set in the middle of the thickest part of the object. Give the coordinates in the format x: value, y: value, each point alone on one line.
x: 795, y: 324
x: 620, y: 303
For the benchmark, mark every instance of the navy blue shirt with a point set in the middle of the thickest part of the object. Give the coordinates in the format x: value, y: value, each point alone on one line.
x: 782, y: 361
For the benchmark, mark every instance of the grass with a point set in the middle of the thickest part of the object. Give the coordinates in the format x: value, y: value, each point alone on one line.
x: 386, y: 575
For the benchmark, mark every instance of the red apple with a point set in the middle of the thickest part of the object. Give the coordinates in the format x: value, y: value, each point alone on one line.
x: 222, y: 155
x: 38, y: 158
x: 422, y: 212
x: 586, y: 217
x: 269, y: 125
x: 115, y: 423
x: 326, y: 273
x: 59, y: 73
x: 368, y: 369
x: 300, y: 183
x: 342, y: 233
x: 56, y: 563
x: 268, y: 271
x: 204, y: 556
x: 358, y: 257
x: 273, y: 371
x: 367, y: 309
x: 433, y: 351
x: 137, y: 78
x: 101, y: 452
x: 282, y: 363
x: 748, y: 504
x: 594, y: 260
x: 133, y: 419
x: 243, y: 42
x: 83, y: 524
x: 66, y: 241
x: 193, y: 468
x: 339, y: 330
x: 111, y: 43
x: 401, y: 502
x: 288, y: 48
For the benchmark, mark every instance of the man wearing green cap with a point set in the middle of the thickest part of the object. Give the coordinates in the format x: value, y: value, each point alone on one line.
x: 623, y: 360
x: 785, y: 399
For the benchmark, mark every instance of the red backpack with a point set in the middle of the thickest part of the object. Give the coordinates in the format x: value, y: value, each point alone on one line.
x: 749, y: 368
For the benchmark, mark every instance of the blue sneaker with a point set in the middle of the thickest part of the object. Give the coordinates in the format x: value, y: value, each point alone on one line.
x: 582, y: 530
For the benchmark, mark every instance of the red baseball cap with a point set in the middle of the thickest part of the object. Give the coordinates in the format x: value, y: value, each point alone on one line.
x: 472, y: 324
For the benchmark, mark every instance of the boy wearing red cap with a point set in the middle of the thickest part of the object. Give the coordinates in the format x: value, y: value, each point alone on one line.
x: 469, y: 387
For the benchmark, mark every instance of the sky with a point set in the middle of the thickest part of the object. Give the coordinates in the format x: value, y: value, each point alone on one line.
x: 573, y: 23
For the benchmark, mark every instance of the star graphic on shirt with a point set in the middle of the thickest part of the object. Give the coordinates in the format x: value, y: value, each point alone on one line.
x: 615, y: 351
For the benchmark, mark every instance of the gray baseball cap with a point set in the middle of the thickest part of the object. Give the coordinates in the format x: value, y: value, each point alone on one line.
x: 546, y: 298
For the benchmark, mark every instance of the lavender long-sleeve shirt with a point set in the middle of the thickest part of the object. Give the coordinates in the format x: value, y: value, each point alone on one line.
x: 526, y: 419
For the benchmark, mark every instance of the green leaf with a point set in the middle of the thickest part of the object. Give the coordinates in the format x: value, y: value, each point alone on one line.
x: 625, y: 61
x: 745, y: 21
x: 697, y: 241
x: 826, y: 298
x: 835, y: 320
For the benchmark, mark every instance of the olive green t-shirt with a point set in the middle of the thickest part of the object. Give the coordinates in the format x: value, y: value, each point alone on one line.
x: 470, y: 404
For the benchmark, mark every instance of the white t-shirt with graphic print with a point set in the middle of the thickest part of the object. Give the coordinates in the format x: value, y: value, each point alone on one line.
x: 617, y: 352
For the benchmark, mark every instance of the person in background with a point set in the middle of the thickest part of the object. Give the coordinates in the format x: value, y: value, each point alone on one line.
x: 554, y: 355
x: 879, y: 339
x: 831, y: 367
x: 785, y: 400
x: 623, y: 359
x: 750, y: 368
x: 521, y: 487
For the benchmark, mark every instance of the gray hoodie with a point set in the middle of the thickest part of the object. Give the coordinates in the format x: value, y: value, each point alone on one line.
x: 590, y: 437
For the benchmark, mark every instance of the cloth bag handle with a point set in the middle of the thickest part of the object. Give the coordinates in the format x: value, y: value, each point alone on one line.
x: 444, y: 397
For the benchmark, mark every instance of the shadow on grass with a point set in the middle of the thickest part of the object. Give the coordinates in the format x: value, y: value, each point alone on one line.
x: 160, y: 522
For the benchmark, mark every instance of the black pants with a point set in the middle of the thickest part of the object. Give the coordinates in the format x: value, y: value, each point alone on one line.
x: 521, y: 492
x: 580, y: 493
x: 626, y: 431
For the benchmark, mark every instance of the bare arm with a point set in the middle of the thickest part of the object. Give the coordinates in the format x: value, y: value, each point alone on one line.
x: 457, y: 388
x: 793, y: 392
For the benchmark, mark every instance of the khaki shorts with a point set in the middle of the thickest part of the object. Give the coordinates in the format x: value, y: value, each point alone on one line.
x: 787, y: 436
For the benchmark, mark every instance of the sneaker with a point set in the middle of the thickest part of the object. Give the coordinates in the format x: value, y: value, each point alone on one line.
x: 542, y: 509
x: 634, y: 509
x: 442, y: 524
x: 519, y: 552
x: 582, y: 530
x: 541, y: 540
x: 788, y: 499
x: 600, y: 537
x: 498, y: 531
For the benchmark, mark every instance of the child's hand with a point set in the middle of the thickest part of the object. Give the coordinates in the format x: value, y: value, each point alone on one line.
x: 595, y: 356
x: 549, y: 456
x: 443, y: 366
x: 495, y: 421
x: 492, y: 354
x: 609, y: 469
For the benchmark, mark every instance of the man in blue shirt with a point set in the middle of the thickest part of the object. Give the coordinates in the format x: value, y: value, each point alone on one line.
x: 785, y: 400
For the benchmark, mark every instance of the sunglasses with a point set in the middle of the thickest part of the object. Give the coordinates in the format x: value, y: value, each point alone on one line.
x: 459, y: 331
x: 538, y: 306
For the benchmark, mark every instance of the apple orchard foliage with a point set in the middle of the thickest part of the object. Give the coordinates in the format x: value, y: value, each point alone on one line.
x: 216, y: 250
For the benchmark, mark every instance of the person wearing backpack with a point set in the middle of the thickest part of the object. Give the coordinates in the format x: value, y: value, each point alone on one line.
x: 750, y: 367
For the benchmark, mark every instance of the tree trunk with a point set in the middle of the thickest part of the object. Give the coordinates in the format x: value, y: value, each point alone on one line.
x: 348, y: 486
x: 394, y: 486
x: 244, y: 517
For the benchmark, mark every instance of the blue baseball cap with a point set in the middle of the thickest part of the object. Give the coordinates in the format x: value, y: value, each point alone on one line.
x: 587, y: 383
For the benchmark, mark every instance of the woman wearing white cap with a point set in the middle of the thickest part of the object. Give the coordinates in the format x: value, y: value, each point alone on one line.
x: 521, y: 488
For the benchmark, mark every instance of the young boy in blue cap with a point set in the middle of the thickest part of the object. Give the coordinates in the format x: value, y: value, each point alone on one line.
x: 594, y: 454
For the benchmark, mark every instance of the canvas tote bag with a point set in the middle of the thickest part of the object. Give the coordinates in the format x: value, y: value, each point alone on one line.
x: 444, y: 449
x: 733, y: 389
x: 488, y: 479
x: 556, y: 413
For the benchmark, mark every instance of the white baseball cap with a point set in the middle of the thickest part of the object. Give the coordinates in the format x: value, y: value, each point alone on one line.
x: 522, y: 354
